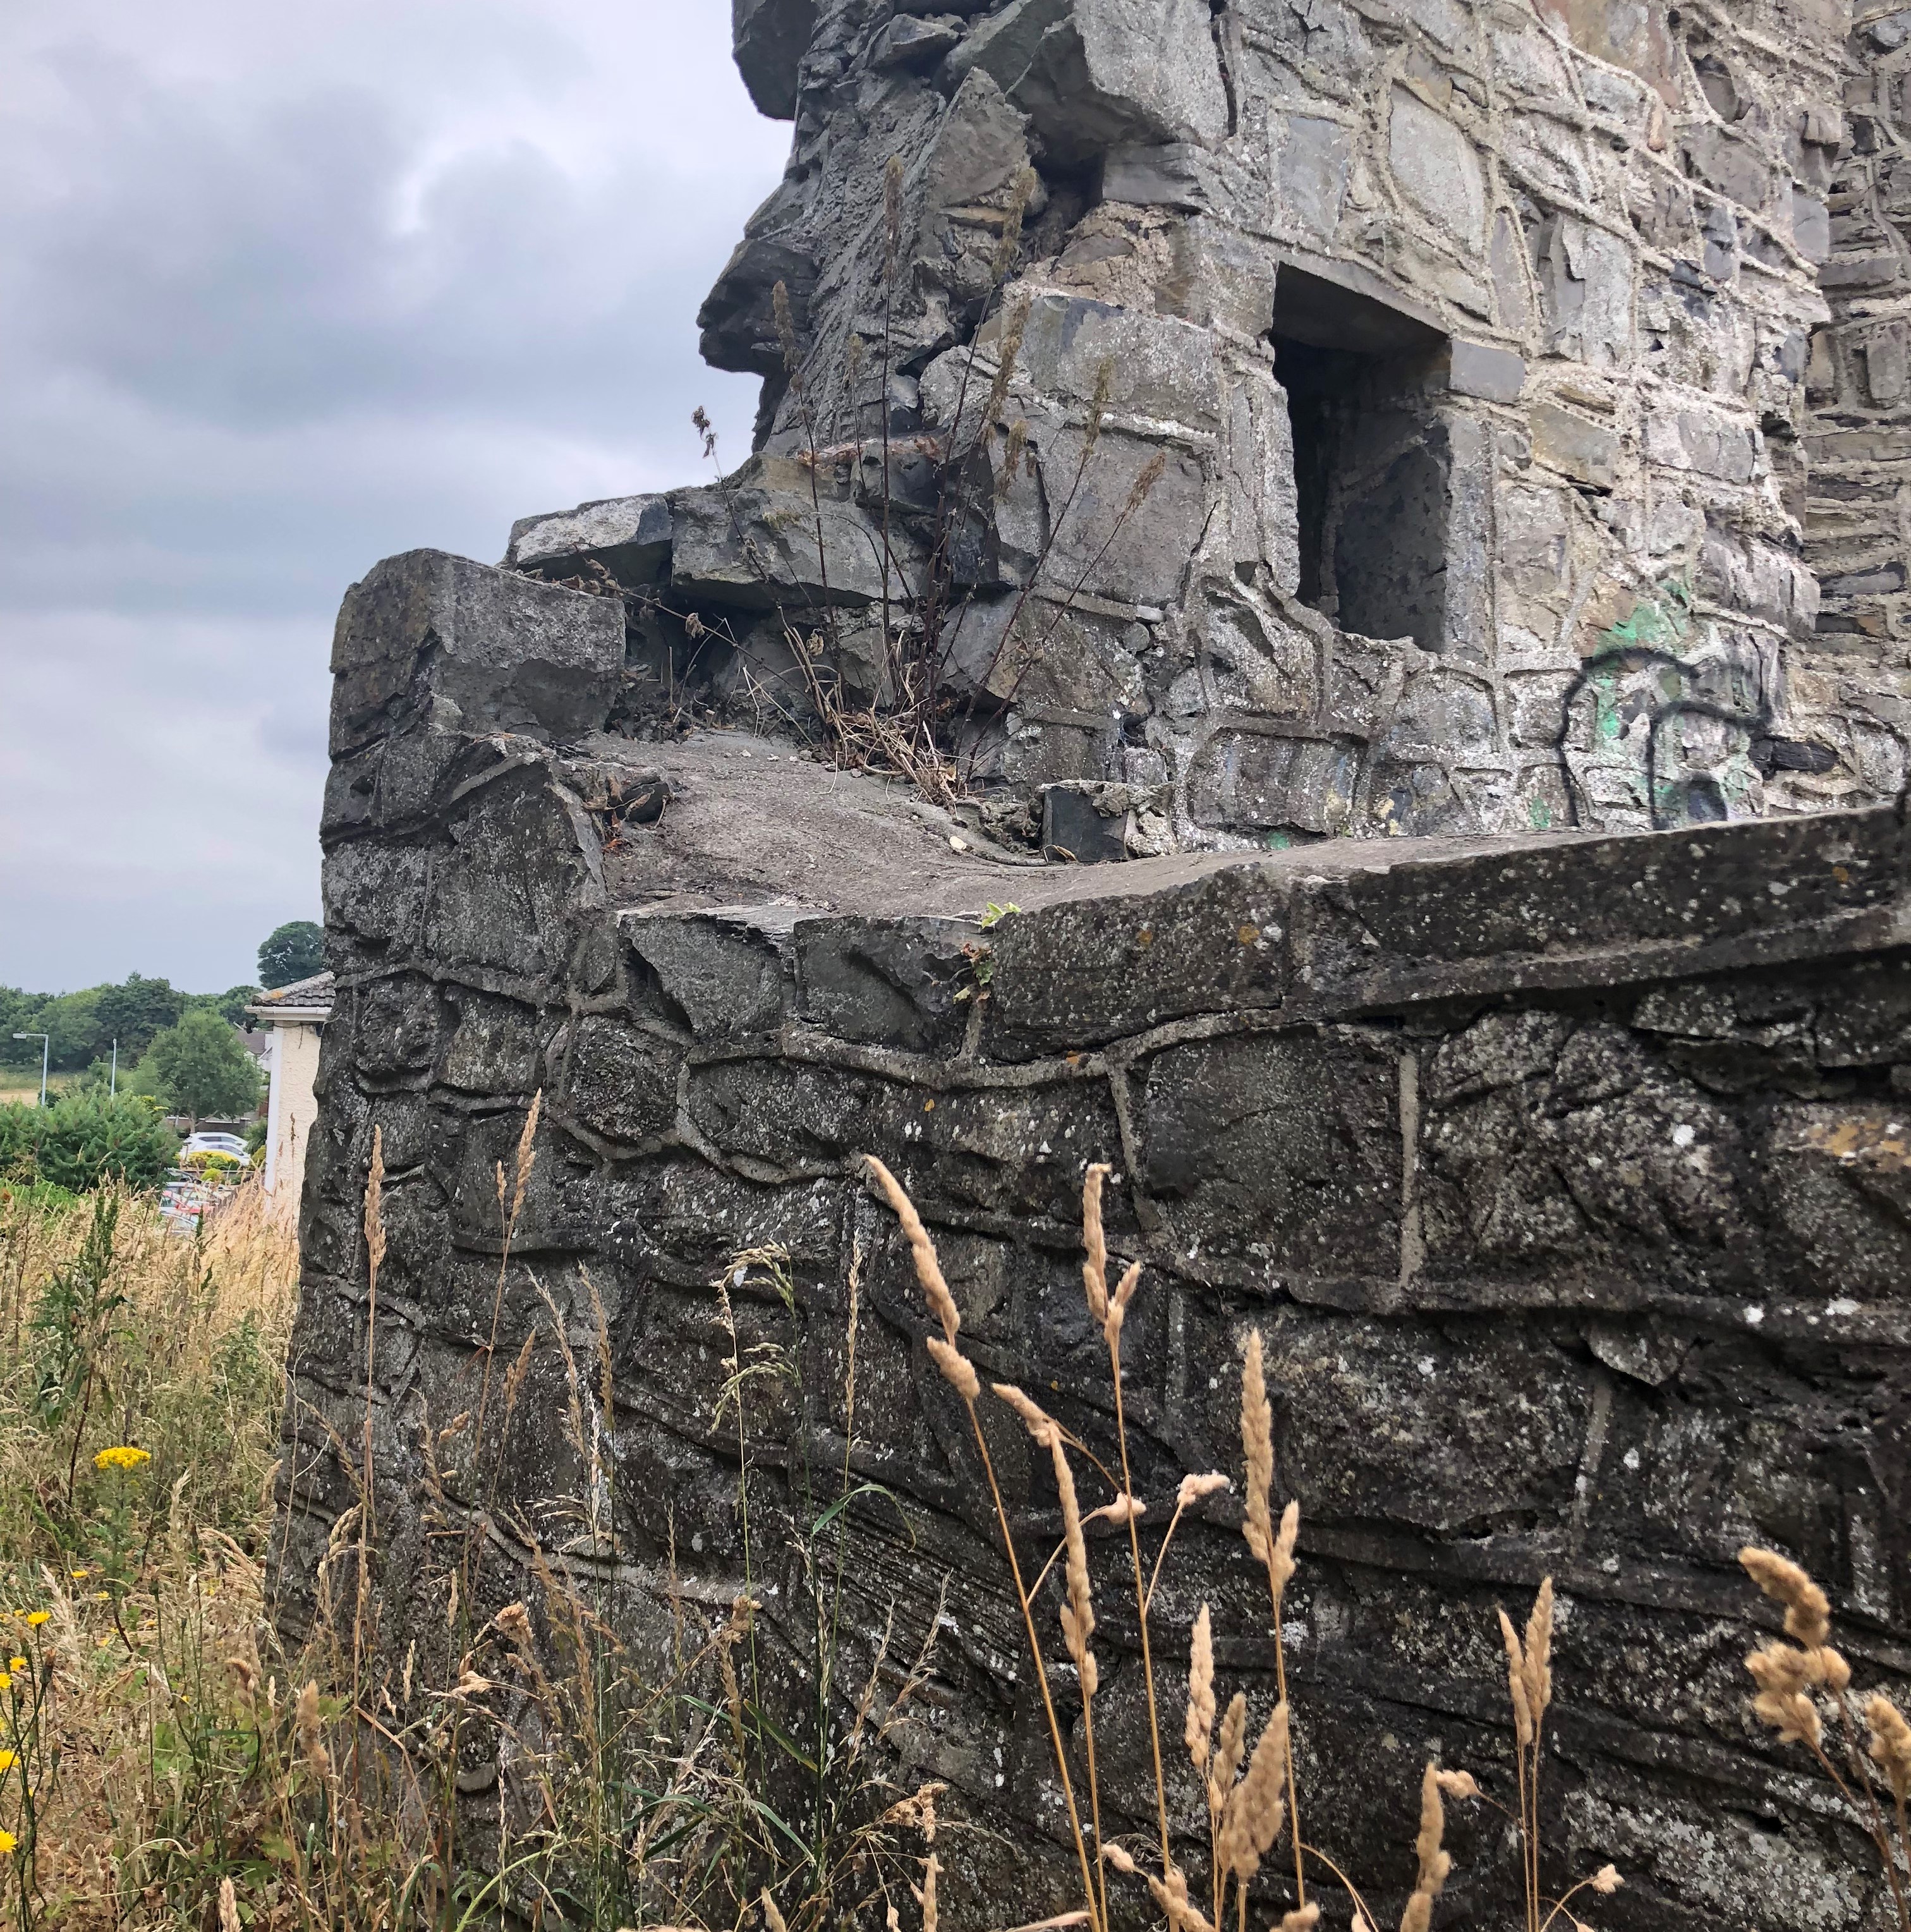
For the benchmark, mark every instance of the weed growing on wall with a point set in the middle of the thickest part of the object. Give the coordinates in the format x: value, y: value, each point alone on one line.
x: 923, y: 723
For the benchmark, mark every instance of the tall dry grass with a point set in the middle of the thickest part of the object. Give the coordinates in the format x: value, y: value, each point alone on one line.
x: 140, y: 1385
x: 1253, y: 1794
x: 164, y: 1763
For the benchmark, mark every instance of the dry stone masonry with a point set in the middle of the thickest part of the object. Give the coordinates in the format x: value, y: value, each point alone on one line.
x: 1507, y: 370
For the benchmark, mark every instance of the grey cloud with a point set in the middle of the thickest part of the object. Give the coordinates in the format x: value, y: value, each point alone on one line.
x: 283, y: 293
x: 251, y: 266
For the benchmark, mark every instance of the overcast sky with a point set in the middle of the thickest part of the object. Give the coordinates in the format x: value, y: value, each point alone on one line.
x: 283, y: 290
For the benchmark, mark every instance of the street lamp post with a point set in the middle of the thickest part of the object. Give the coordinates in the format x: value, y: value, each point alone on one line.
x: 46, y: 1050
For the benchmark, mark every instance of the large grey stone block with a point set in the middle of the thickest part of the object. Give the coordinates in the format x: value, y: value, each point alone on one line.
x: 506, y: 652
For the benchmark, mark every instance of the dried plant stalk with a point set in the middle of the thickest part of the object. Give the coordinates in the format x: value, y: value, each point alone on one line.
x: 942, y: 1304
x: 1112, y: 1313
x: 1199, y: 1730
x: 1787, y: 1680
x: 1276, y: 1553
x: 1435, y: 1862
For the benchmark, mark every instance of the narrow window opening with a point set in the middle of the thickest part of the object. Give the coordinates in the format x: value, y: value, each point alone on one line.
x: 1371, y: 467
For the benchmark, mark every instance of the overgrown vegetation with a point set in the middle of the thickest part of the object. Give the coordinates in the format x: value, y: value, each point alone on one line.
x: 162, y: 1763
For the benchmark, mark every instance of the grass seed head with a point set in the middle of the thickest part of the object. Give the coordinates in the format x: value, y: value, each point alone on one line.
x: 1807, y: 1610
x: 1257, y: 1442
x: 1013, y: 452
x: 1198, y: 1731
x: 1170, y: 1894
x: 1782, y: 1704
x: 1516, y: 1681
x: 1828, y: 1670
x: 1014, y: 322
x: 1891, y: 1743
x: 1124, y: 1509
x: 1124, y: 1293
x: 1094, y: 1267
x: 921, y: 1249
x: 1198, y: 1489
x: 526, y: 1157
x: 1257, y: 1809
x: 926, y: 1891
x: 1435, y: 1863
x: 1036, y: 1420
x: 957, y: 1370
x: 1078, y: 1612
x: 1281, y: 1565
x: 1228, y: 1750
x: 1539, y: 1653
x: 305, y: 1723
x: 1009, y: 245
x: 1098, y: 407
x: 375, y: 1208
x: 1144, y: 484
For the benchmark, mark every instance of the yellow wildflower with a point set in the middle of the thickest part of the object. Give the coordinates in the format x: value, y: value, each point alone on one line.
x: 79, y: 1575
x: 34, y: 1618
x: 6, y: 1681
x: 8, y: 1843
x: 17, y: 1663
x: 122, y: 1458
x: 7, y: 1760
x: 102, y: 1596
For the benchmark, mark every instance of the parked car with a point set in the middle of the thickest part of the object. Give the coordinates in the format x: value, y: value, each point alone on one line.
x: 229, y: 1144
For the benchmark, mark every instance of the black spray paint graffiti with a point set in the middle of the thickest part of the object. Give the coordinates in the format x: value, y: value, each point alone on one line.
x: 1691, y: 801
x: 1699, y: 800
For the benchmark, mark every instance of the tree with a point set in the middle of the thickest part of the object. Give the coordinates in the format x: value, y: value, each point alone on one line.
x: 295, y: 951
x: 231, y: 1005
x: 16, y: 1009
x: 134, y: 1011
x: 199, y: 1067
x: 72, y: 1021
x: 81, y: 1140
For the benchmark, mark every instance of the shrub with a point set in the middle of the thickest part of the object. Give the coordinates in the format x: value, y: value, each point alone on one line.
x: 86, y: 1138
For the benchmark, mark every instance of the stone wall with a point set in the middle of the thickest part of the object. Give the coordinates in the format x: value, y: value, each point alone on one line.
x: 1565, y: 1175
x: 1471, y: 336
x: 1858, y: 450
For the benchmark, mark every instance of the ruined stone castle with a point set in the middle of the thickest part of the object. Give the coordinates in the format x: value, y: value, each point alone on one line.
x: 1416, y: 488
x: 1527, y: 378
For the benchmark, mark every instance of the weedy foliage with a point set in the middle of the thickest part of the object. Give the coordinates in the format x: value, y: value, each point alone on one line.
x: 921, y: 724
x: 164, y: 1763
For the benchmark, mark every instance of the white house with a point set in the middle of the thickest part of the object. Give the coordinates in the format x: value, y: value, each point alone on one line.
x: 297, y: 1015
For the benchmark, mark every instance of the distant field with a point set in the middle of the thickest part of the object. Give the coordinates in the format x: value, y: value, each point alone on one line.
x: 19, y: 1083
